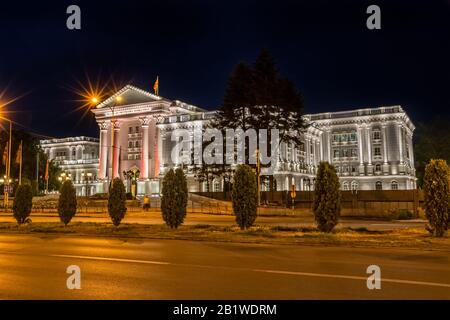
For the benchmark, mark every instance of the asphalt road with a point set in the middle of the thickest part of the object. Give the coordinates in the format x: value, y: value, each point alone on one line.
x: 34, y: 267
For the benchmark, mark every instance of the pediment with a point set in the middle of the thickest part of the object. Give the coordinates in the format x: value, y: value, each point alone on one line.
x: 129, y: 95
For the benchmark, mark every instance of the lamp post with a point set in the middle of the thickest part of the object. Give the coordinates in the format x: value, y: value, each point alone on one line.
x: 8, y: 166
x: 112, y: 107
x: 86, y: 176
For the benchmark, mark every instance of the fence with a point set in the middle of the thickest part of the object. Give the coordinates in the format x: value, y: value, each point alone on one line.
x: 354, y: 203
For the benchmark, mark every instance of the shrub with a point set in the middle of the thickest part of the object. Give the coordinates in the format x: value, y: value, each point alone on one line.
x: 174, y: 198
x: 244, y: 196
x: 405, y: 214
x: 436, y: 186
x: 117, y: 201
x: 23, y: 202
x: 67, y: 202
x: 327, y: 198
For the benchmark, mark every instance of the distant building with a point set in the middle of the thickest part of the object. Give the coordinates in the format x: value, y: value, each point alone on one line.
x: 78, y: 159
x: 370, y: 148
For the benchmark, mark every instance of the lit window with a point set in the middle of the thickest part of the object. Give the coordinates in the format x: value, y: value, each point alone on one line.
x: 376, y: 135
x: 394, y: 185
x: 378, y: 185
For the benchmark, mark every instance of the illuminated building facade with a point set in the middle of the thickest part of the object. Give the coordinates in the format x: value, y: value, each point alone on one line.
x: 370, y: 148
x: 78, y: 159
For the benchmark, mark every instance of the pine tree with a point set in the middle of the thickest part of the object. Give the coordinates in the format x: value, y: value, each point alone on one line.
x: 258, y: 97
x: 436, y: 188
x: 174, y: 198
x: 117, y: 202
x: 67, y: 202
x: 245, y: 196
x: 23, y: 203
x: 327, y: 198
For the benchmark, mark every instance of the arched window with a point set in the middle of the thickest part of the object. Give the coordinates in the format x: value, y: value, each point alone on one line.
x: 378, y: 168
x: 378, y: 185
x: 216, y: 185
x: 345, y: 186
x: 130, y: 144
x: 394, y: 185
x: 354, y: 185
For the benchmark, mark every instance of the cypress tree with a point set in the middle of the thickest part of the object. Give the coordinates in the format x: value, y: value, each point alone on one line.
x: 436, y: 186
x: 23, y: 203
x: 245, y: 196
x: 67, y: 202
x: 117, y: 202
x: 327, y: 198
x: 174, y: 198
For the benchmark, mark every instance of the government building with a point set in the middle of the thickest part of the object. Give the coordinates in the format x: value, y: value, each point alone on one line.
x: 371, y: 148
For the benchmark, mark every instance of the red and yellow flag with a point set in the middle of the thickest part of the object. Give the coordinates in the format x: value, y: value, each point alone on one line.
x: 46, y: 171
x: 19, y: 154
x: 5, y: 154
x: 156, y: 86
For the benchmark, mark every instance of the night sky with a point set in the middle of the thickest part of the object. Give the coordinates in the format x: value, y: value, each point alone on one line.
x: 323, y: 46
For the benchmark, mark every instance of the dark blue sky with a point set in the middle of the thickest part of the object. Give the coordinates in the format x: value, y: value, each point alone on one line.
x: 323, y: 46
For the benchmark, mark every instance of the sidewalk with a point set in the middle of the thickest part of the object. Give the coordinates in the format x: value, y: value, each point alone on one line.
x: 154, y: 217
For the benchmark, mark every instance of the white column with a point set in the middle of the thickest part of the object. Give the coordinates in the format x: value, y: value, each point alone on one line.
x: 321, y: 144
x: 411, y: 152
x: 400, y: 142
x: 145, y: 148
x: 115, y: 147
x: 369, y: 145
x: 308, y: 158
x: 360, y: 145
x: 328, y: 142
x: 103, y: 150
x: 383, y: 133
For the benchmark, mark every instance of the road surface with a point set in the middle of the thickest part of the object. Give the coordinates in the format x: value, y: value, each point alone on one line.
x: 33, y: 267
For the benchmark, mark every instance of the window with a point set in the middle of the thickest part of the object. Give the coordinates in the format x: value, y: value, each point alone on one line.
x: 216, y: 185
x: 136, y: 144
x: 354, y: 185
x: 377, y: 151
x: 130, y: 144
x: 376, y: 135
x: 354, y: 152
x: 74, y: 152
x: 378, y: 168
x: 378, y: 185
x: 336, y: 153
x: 394, y: 185
x: 130, y: 130
x: 137, y: 157
x: 137, y: 129
x: 353, y: 136
x: 345, y: 186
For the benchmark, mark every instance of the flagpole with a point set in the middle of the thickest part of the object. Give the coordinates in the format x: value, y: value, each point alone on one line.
x: 9, y: 163
x: 20, y: 163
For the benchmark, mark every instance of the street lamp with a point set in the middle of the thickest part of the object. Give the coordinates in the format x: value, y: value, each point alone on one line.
x: 8, y: 167
x: 87, y: 176
x: 94, y: 101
